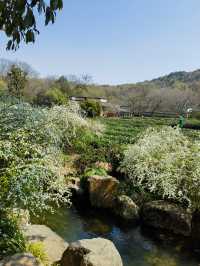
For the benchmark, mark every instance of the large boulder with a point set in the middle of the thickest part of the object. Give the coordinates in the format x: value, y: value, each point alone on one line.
x: 169, y: 216
x: 126, y: 209
x: 54, y: 245
x: 91, y: 252
x: 23, y: 259
x: 103, y: 191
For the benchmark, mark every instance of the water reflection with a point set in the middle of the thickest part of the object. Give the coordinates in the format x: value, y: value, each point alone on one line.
x: 138, y: 247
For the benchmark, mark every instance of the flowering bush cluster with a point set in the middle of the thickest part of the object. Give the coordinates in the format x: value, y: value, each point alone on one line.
x: 31, y: 145
x: 165, y: 162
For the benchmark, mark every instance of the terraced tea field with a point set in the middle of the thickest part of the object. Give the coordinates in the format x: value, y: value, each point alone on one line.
x: 127, y: 130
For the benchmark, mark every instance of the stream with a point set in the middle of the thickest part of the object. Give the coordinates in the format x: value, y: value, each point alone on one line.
x: 137, y: 247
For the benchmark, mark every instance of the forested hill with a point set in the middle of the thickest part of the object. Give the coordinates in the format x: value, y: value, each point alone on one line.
x: 170, y: 80
x: 181, y: 76
x: 174, y: 92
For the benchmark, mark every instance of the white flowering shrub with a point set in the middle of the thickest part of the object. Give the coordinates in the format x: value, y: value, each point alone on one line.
x: 31, y: 143
x: 64, y: 123
x: 96, y: 127
x: 165, y: 162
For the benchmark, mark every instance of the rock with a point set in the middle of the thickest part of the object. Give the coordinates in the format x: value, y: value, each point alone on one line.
x: 54, y: 245
x: 74, y: 184
x: 126, y: 209
x: 91, y: 252
x: 23, y: 259
x: 103, y: 191
x: 169, y: 216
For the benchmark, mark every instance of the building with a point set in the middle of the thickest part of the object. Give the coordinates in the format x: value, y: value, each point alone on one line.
x: 84, y: 98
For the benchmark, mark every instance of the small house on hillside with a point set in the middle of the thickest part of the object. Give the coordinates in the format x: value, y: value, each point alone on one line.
x: 84, y: 98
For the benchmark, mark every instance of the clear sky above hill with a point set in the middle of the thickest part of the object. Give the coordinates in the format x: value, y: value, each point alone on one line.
x: 117, y: 41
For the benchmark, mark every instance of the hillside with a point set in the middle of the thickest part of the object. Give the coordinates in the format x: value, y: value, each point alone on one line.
x: 181, y: 76
x: 174, y: 92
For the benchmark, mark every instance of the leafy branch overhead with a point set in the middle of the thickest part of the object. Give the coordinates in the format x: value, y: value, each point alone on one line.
x: 18, y: 18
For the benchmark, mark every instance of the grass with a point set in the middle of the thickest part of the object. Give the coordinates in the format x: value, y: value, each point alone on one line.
x: 37, y: 249
x: 127, y: 130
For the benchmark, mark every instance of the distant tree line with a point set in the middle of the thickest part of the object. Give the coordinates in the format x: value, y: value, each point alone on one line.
x: 173, y: 93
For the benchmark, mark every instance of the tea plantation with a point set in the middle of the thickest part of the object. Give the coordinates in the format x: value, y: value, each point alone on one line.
x: 127, y: 130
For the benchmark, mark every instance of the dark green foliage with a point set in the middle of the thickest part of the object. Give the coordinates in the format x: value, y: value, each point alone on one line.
x: 89, y: 158
x: 138, y: 194
x: 95, y: 171
x: 91, y: 108
x: 180, y: 77
x: 11, y: 239
x: 18, y: 18
x: 64, y: 85
x: 92, y: 149
x: 16, y: 80
x: 50, y: 97
x: 196, y: 115
x: 115, y: 156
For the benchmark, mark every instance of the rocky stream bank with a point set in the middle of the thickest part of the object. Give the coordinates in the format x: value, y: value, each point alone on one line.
x: 102, y: 194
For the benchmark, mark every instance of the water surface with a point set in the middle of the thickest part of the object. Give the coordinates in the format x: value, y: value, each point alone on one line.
x: 137, y: 247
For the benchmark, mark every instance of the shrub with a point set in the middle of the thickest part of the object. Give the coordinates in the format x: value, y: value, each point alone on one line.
x: 137, y: 193
x: 65, y: 124
x: 56, y: 97
x: 31, y: 145
x: 115, y: 154
x: 95, y: 152
x: 95, y: 171
x: 91, y: 108
x: 37, y: 249
x: 166, y: 163
x: 51, y: 97
x: 11, y: 240
x: 32, y: 142
x: 196, y: 115
x: 88, y: 139
x: 88, y: 158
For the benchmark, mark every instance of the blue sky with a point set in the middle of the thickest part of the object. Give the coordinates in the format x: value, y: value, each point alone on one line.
x: 117, y: 41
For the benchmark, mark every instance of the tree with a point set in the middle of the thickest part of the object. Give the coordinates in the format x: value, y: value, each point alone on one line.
x: 92, y: 108
x: 63, y: 84
x: 138, y: 100
x: 16, y: 80
x: 18, y: 19
x: 53, y: 96
x: 6, y: 64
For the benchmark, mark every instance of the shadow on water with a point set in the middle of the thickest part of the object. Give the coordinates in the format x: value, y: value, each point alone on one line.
x: 137, y: 246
